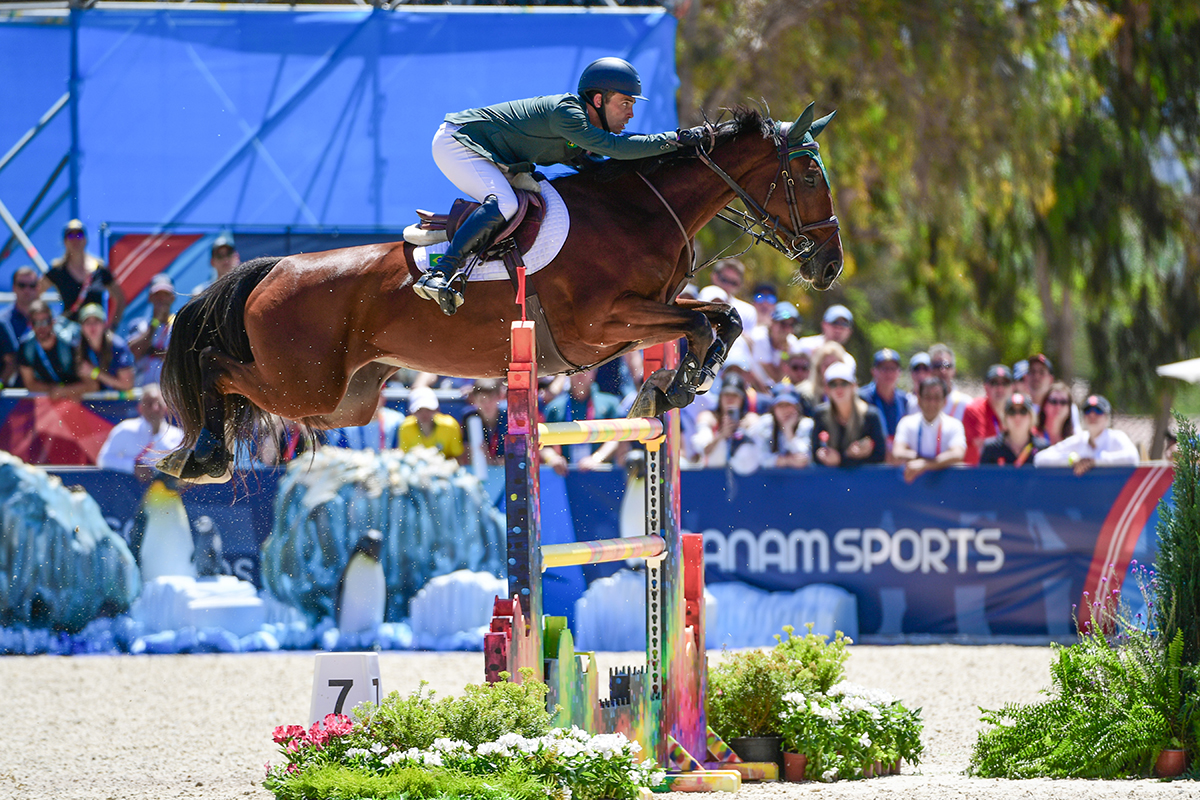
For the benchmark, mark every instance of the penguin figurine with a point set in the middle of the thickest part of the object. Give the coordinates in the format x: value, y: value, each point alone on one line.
x: 208, y: 558
x: 362, y: 591
x: 167, y: 541
x: 633, y: 504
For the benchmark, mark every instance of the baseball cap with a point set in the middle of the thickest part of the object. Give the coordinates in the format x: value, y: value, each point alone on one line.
x: 1097, y: 402
x: 1017, y: 400
x: 887, y: 354
x: 839, y: 371
x: 732, y: 383
x: 74, y: 225
x: 787, y: 397
x: 834, y: 313
x: 785, y: 312
x: 920, y: 360
x: 422, y: 397
x: 998, y: 372
x: 223, y: 240
x: 710, y: 294
x: 765, y: 293
x: 92, y: 311
x: 161, y: 283
x: 1020, y: 369
x: 1038, y: 358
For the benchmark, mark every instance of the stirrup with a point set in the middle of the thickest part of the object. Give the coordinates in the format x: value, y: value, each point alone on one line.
x: 430, y: 284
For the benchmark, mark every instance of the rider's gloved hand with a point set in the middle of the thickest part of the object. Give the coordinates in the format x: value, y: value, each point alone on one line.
x: 692, y: 137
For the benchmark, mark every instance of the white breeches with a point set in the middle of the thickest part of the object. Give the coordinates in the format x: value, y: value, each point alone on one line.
x: 471, y: 172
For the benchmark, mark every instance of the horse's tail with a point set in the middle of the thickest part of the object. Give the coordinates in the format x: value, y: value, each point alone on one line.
x: 214, y: 318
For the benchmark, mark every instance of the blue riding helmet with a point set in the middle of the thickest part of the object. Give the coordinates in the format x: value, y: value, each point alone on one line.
x: 610, y: 75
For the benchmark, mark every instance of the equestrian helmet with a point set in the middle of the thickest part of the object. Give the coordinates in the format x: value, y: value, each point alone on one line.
x: 610, y: 75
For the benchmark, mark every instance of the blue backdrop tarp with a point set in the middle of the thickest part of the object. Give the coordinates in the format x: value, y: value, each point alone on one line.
x: 977, y: 552
x: 210, y: 118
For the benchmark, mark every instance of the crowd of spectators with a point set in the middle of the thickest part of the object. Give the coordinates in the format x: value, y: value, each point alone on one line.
x: 782, y: 400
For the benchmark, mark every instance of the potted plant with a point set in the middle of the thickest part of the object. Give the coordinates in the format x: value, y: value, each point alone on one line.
x: 1171, y: 760
x: 745, y: 698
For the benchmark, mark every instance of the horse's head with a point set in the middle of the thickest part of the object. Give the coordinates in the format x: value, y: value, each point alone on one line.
x: 815, y: 243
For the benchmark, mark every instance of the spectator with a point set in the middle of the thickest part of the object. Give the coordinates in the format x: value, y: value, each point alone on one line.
x: 48, y: 357
x: 223, y: 257
x: 426, y: 427
x: 846, y: 430
x: 881, y: 392
x: 982, y: 419
x: 766, y: 297
x: 812, y: 392
x: 920, y: 367
x: 782, y: 438
x: 484, y: 425
x: 1056, y: 417
x: 148, y: 336
x: 104, y: 362
x: 14, y: 323
x: 729, y: 274
x: 941, y: 358
x: 931, y: 440
x: 583, y: 400
x: 721, y: 432
x: 137, y: 444
x: 1017, y: 444
x: 81, y: 278
x: 773, y: 342
x: 1097, y: 445
x: 381, y: 433
x: 1020, y: 372
x: 285, y: 441
x: 1039, y: 376
x: 836, y: 326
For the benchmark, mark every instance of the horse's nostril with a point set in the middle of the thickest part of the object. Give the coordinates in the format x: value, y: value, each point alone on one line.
x: 832, y: 271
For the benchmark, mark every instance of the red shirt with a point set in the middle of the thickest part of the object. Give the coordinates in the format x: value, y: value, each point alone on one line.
x: 981, y: 424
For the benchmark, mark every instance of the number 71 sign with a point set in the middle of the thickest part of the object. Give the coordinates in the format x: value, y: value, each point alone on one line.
x: 343, y: 680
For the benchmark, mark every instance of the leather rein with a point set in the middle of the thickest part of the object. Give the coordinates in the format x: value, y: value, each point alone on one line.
x: 800, y: 240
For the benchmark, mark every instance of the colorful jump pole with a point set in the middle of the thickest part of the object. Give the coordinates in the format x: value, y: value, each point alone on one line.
x: 662, y: 704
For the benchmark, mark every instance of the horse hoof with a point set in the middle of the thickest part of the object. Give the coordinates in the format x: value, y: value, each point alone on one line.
x: 707, y: 379
x: 650, y: 402
x: 212, y: 471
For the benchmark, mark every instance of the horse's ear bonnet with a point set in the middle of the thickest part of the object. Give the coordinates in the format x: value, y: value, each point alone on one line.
x: 806, y: 128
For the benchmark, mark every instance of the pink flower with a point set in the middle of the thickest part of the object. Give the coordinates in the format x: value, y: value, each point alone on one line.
x: 292, y: 769
x: 316, y: 736
x: 338, y: 724
x: 286, y: 732
x: 267, y: 767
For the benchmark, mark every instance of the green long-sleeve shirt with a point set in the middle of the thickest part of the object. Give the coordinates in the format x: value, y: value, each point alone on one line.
x: 553, y: 129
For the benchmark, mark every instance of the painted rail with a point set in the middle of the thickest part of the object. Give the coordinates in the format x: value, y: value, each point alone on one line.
x: 641, y: 429
x: 602, y: 551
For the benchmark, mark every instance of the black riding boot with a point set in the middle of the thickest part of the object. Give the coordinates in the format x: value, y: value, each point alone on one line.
x: 473, y: 235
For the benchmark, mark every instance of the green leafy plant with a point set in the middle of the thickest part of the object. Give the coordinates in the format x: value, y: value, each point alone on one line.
x: 812, y: 658
x: 745, y: 694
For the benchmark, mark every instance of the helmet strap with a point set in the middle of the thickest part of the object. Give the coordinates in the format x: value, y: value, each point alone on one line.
x: 602, y: 111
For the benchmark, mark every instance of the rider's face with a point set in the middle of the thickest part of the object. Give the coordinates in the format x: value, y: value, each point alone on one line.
x: 620, y: 110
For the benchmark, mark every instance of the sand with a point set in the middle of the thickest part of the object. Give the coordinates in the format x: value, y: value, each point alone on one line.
x: 199, y: 726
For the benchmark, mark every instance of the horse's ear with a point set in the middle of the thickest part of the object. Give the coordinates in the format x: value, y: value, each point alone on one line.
x: 800, y: 126
x: 820, y: 124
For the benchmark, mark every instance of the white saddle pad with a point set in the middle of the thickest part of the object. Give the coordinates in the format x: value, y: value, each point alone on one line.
x: 549, y: 241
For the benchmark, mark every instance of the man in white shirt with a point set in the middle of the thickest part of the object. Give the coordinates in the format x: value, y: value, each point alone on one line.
x: 931, y: 440
x: 944, y: 366
x: 773, y: 343
x: 143, y: 440
x: 1096, y: 445
x: 836, y: 326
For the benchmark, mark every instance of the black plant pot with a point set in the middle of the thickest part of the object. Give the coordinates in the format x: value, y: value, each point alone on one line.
x: 759, y: 748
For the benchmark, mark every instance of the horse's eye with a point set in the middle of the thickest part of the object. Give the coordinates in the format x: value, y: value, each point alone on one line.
x: 810, y: 180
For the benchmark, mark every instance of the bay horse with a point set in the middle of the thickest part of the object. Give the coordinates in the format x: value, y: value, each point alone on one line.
x: 313, y: 337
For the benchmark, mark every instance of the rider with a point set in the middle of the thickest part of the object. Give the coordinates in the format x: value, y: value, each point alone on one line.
x: 480, y: 149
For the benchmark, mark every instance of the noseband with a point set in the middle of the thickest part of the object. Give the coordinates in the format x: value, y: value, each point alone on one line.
x: 798, y: 242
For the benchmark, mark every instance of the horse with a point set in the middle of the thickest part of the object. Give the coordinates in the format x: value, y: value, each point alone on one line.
x: 313, y: 337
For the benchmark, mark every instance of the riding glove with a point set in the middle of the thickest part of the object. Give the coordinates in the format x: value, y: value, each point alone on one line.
x: 692, y: 137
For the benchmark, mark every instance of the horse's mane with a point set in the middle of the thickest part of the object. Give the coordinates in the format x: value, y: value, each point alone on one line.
x: 741, y: 119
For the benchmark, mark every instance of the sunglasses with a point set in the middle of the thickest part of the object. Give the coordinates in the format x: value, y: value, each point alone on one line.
x: 24, y: 285
x: 1014, y: 412
x: 726, y: 280
x: 922, y: 368
x: 943, y: 365
x: 1057, y: 401
x: 801, y: 366
x: 1087, y: 412
x: 838, y: 384
x: 1004, y: 384
x: 76, y: 235
x: 41, y: 323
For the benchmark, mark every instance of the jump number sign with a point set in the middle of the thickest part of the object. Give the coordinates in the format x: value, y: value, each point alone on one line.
x: 343, y: 680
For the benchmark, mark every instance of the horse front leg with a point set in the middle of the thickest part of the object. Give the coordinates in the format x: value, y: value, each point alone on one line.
x: 210, y: 459
x: 728, y: 326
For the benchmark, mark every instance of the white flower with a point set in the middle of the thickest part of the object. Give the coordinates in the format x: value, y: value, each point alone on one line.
x: 828, y: 775
x: 355, y: 752
x: 450, y: 745
x: 431, y: 759
x: 378, y: 748
x: 394, y: 758
x: 828, y: 714
x: 493, y: 748
x: 794, y: 698
x: 865, y: 740
x: 608, y: 745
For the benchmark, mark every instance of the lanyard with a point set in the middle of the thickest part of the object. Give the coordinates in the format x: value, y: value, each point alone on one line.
x: 1024, y: 454
x: 84, y: 288
x: 45, y: 359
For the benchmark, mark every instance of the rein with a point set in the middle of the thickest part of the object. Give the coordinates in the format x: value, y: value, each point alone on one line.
x: 796, y: 242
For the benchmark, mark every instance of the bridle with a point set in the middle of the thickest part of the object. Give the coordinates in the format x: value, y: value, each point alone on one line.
x: 800, y: 240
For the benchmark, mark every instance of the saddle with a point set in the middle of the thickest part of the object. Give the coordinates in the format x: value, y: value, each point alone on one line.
x: 519, y: 235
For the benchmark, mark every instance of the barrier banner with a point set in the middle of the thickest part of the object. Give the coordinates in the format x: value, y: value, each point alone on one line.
x: 976, y: 552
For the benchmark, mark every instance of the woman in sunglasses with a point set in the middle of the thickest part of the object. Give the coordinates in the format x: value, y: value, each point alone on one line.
x: 81, y: 278
x: 1056, y: 417
x: 847, y: 431
x: 1018, y: 444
